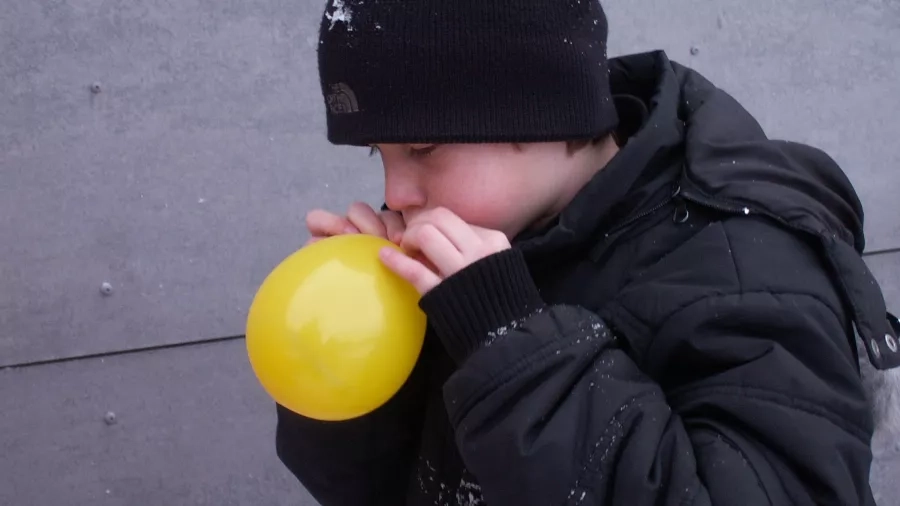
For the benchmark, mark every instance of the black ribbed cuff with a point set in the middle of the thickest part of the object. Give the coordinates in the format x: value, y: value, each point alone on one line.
x: 492, y: 293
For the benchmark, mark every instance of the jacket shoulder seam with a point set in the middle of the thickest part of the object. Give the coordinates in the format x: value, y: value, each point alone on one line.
x: 835, y: 418
x: 731, y: 256
x: 781, y: 399
x: 709, y: 298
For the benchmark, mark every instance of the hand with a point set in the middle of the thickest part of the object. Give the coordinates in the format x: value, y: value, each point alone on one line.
x: 360, y: 219
x: 439, y: 244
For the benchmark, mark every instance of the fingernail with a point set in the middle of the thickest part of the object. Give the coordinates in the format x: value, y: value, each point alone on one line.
x: 351, y: 230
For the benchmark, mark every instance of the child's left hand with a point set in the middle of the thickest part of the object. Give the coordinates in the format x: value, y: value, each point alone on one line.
x: 444, y: 244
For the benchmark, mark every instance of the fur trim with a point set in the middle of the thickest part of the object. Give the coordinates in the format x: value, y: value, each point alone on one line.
x: 883, y: 391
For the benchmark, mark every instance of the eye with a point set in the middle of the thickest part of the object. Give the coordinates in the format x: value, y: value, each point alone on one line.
x: 420, y: 150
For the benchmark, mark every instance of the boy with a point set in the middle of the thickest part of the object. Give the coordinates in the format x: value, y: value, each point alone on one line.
x: 634, y: 297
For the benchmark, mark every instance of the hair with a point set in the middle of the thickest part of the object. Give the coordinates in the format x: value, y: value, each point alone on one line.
x: 576, y: 145
x: 572, y: 145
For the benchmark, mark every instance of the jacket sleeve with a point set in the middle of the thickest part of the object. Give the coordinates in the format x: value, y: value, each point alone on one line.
x: 548, y: 408
x: 366, y: 461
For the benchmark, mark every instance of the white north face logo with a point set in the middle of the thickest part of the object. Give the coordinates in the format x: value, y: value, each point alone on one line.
x: 341, y: 99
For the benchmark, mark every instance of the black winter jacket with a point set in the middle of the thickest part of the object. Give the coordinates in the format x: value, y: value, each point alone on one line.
x: 682, y: 335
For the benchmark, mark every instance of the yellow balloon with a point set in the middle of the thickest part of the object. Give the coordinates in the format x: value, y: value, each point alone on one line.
x: 332, y: 334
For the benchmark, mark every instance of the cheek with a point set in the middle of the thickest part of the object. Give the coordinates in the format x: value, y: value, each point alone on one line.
x: 484, y: 199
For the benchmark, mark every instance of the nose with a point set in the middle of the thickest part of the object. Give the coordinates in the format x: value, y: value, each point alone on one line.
x: 402, y: 188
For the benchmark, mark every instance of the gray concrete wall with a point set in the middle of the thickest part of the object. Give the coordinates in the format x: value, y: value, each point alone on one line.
x: 184, y: 177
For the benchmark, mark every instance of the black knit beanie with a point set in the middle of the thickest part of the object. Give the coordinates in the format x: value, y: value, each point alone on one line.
x: 439, y: 71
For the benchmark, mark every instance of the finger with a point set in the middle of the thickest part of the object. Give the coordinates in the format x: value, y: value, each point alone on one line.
x: 435, y: 246
x: 325, y: 224
x: 419, y: 257
x: 414, y: 272
x: 363, y: 217
x: 460, y: 234
x: 493, y: 238
x: 393, y: 222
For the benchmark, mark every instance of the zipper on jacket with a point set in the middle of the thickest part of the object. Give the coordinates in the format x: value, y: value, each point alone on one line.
x: 610, y: 238
x: 682, y: 213
x: 644, y: 214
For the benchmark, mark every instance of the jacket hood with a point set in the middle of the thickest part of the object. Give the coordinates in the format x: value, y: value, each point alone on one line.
x: 674, y: 119
x: 669, y: 112
x: 729, y: 156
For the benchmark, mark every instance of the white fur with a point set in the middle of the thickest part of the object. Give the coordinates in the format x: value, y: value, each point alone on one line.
x: 883, y: 392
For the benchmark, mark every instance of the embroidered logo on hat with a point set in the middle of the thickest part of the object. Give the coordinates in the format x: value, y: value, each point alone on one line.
x: 341, y: 99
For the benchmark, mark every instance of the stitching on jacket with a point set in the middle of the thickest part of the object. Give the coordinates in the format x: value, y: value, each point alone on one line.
x: 787, y: 293
x: 737, y: 449
x: 739, y: 291
x: 652, y: 330
x: 834, y: 417
x: 781, y: 399
x: 612, y: 434
x: 858, y: 315
x: 737, y: 273
x: 558, y: 341
x: 705, y: 298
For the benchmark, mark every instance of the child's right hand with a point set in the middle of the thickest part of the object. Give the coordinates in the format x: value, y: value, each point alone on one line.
x: 360, y: 218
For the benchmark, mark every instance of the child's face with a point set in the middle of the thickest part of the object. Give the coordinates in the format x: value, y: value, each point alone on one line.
x: 503, y: 187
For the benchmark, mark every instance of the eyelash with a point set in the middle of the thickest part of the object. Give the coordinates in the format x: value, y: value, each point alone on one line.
x: 422, y: 152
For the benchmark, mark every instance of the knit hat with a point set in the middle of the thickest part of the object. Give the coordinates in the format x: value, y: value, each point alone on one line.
x: 437, y: 71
